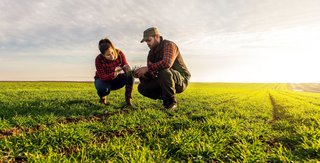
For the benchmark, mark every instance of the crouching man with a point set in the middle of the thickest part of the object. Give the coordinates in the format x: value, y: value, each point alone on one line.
x: 166, y: 73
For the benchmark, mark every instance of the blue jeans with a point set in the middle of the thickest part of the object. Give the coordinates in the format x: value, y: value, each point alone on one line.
x: 104, y: 87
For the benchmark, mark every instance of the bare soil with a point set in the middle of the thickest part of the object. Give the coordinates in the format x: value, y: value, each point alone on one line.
x: 305, y: 87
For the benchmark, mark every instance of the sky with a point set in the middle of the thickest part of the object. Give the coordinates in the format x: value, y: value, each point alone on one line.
x: 220, y: 40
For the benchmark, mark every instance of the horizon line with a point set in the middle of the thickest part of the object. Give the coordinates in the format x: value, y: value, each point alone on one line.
x: 86, y: 81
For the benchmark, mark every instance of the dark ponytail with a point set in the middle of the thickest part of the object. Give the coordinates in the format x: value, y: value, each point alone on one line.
x: 104, y: 45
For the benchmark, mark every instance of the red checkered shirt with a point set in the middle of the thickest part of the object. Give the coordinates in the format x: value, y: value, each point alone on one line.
x: 106, y: 69
x: 169, y: 56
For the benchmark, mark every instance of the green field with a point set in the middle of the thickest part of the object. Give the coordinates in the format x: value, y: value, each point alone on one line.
x: 218, y: 122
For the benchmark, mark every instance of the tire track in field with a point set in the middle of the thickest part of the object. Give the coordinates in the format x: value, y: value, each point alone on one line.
x: 278, y: 112
x: 281, y: 113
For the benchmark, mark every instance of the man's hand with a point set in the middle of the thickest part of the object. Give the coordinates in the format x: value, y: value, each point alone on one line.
x: 140, y: 72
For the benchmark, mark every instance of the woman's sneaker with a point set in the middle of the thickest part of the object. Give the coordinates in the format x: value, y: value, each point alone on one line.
x: 103, y: 100
x: 129, y: 101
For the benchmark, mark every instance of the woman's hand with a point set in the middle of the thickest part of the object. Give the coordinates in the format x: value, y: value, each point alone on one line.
x: 126, y: 68
x: 118, y: 70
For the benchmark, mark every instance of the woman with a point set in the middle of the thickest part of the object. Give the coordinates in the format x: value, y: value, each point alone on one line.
x: 109, y: 65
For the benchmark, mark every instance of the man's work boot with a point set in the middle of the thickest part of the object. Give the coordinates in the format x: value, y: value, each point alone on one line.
x: 170, y: 103
x: 164, y: 102
x: 171, y: 106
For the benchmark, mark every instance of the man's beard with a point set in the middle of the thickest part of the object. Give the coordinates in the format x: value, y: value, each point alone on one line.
x: 155, y: 45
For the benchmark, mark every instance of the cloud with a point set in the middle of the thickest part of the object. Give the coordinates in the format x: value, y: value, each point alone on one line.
x: 66, y: 24
x: 56, y: 31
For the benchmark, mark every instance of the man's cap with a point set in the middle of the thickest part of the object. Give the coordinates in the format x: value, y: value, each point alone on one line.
x: 150, y: 32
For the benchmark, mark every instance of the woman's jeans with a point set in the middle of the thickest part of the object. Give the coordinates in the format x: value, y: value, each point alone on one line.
x: 104, y: 87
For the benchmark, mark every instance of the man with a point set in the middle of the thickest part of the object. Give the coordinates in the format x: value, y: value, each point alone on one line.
x: 166, y: 73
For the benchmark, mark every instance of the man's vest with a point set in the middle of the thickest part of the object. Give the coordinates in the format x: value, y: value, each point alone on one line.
x: 178, y: 64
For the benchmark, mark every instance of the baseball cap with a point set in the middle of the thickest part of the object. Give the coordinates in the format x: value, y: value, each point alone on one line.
x: 149, y: 32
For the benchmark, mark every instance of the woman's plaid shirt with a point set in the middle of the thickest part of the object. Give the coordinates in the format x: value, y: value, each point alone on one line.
x: 105, y: 69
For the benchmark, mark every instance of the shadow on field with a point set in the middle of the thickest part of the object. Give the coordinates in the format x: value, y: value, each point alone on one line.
x: 50, y: 107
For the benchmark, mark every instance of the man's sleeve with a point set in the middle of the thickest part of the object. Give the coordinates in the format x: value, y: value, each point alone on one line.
x: 169, y: 55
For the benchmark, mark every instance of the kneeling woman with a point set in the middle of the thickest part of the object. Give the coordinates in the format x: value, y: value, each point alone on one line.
x: 109, y: 65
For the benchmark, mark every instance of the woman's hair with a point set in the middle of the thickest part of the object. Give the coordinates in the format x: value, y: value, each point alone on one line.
x: 105, y: 44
